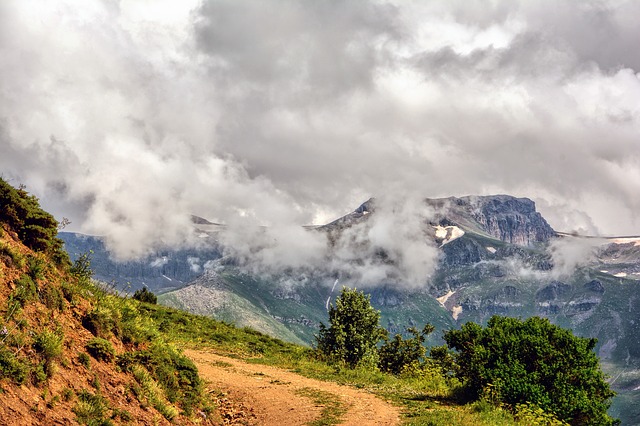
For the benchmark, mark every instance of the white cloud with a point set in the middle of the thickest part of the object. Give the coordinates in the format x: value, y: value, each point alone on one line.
x: 129, y: 116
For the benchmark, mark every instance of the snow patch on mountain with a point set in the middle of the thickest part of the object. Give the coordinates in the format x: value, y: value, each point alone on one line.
x: 448, y: 233
x: 443, y: 299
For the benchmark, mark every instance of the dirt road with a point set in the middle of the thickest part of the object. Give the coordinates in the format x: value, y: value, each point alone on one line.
x: 274, y: 396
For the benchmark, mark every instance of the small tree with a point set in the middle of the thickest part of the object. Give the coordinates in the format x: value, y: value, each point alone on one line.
x: 533, y: 362
x: 145, y: 295
x: 398, y: 353
x: 354, y: 330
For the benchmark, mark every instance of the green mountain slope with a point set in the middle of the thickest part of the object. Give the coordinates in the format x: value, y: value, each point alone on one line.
x: 494, y: 259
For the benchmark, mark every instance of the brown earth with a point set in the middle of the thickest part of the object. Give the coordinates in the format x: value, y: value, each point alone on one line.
x: 263, y: 395
x: 53, y: 402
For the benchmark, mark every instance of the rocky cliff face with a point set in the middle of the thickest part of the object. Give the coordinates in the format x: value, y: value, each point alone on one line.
x: 509, y: 219
x: 161, y: 271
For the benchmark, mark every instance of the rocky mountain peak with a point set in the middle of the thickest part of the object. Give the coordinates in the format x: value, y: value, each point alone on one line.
x: 510, y: 219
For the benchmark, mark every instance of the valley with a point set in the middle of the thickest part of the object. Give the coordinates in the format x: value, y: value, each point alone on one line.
x: 496, y: 255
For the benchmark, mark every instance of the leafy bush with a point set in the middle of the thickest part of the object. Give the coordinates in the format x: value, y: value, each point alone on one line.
x: 36, y: 228
x: 354, y: 330
x: 39, y: 374
x: 25, y: 289
x: 398, y: 354
x: 11, y: 257
x: 49, y: 344
x: 12, y: 367
x: 102, y: 321
x: 52, y: 297
x: 153, y: 392
x: 145, y: 295
x: 36, y: 267
x: 81, y: 268
x: 101, y: 349
x: 533, y: 362
x: 84, y: 359
x: 91, y: 409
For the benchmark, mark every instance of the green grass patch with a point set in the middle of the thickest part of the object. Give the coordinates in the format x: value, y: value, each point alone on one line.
x: 332, y: 406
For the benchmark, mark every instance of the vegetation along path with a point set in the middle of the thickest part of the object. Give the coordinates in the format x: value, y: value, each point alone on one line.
x: 280, y: 397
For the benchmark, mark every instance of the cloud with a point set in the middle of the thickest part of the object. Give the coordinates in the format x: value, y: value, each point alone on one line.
x: 570, y: 253
x: 128, y: 116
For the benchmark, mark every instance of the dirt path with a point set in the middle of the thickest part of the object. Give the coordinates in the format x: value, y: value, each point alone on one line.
x: 274, y: 395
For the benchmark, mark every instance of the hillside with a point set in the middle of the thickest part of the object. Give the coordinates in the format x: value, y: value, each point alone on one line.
x: 68, y: 349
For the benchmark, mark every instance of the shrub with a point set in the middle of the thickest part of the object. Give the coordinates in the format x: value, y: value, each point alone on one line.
x: 39, y: 374
x: 11, y: 257
x: 101, y: 349
x: 49, y: 344
x: 25, y: 290
x: 67, y: 394
x: 533, y: 362
x: 81, y: 268
x: 153, y: 392
x: 146, y: 296
x: 36, y: 267
x: 91, y: 409
x: 12, y: 367
x: 354, y: 330
x: 36, y: 228
x: 84, y: 359
x: 52, y: 297
x: 102, y: 321
x: 398, y: 354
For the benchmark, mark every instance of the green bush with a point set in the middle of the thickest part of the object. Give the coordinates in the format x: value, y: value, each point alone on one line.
x: 67, y: 394
x: 398, y: 354
x: 354, y: 330
x: 533, y: 362
x: 52, y: 297
x: 39, y: 374
x: 81, y: 268
x: 36, y: 228
x: 36, y: 267
x: 12, y: 367
x: 102, y: 321
x: 101, y: 349
x: 91, y: 409
x: 48, y: 344
x: 145, y: 295
x: 25, y: 289
x: 11, y: 257
x: 85, y: 360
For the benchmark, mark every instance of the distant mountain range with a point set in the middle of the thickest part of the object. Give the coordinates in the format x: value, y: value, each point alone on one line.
x: 497, y: 256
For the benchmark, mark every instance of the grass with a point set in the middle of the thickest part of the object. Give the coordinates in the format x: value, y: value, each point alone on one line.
x: 153, y: 393
x: 425, y: 397
x: 332, y: 407
x: 91, y: 409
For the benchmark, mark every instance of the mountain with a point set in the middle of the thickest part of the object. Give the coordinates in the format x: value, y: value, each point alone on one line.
x: 497, y: 255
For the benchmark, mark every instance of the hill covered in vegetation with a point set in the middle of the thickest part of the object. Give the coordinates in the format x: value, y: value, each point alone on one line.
x: 69, y: 349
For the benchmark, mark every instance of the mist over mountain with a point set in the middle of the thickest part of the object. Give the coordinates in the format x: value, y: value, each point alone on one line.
x: 472, y: 257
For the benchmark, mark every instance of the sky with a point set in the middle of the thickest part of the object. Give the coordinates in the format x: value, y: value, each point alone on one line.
x: 128, y: 116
